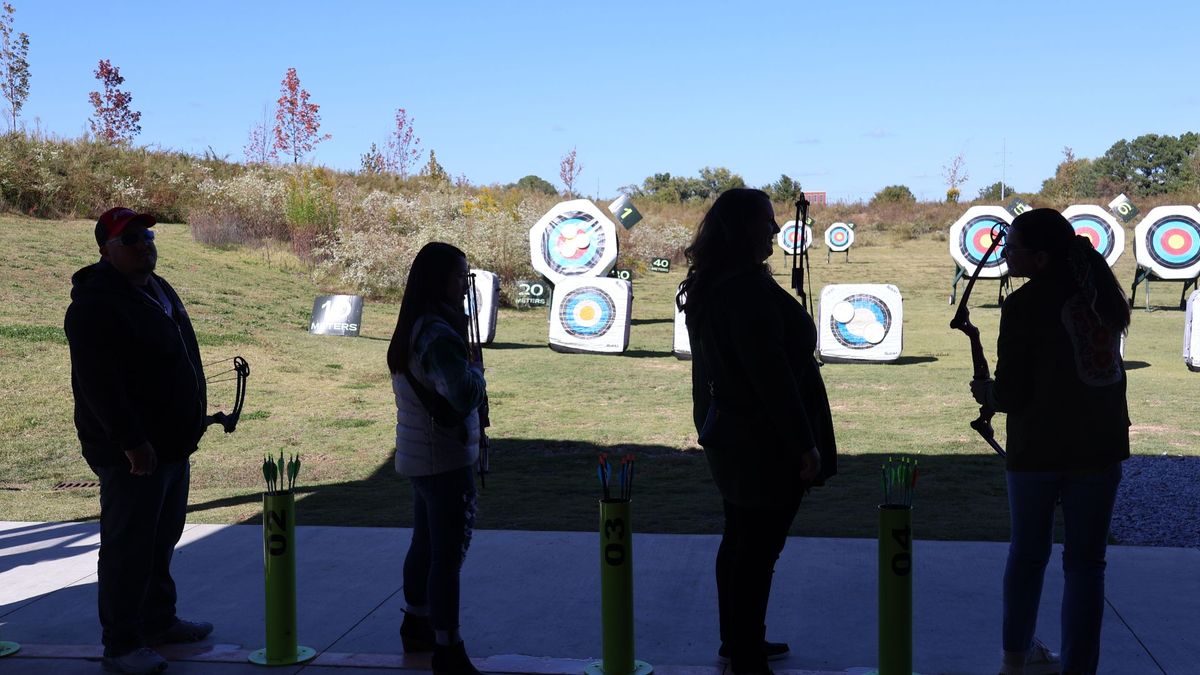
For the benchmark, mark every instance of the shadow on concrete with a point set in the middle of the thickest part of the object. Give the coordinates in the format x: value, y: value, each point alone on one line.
x: 52, y: 541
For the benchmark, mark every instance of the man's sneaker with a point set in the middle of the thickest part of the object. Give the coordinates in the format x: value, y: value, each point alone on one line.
x: 141, y: 661
x: 181, y: 631
x: 1039, y: 660
x: 775, y: 651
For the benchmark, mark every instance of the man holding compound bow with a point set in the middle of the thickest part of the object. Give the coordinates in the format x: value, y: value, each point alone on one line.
x: 140, y: 402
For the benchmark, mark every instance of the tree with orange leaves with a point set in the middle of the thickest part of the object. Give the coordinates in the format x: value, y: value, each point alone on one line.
x: 297, y: 122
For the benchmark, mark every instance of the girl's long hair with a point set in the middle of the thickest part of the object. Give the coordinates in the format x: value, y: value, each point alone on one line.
x: 424, y: 293
x: 1073, y: 257
x: 722, y: 244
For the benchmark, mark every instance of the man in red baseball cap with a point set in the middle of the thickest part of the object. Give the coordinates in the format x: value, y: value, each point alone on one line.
x: 140, y: 404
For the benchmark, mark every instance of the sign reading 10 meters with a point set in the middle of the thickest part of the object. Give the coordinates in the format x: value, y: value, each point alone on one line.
x: 336, y: 315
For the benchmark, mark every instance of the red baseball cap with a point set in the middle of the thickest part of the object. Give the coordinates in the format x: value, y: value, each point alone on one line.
x: 114, y: 221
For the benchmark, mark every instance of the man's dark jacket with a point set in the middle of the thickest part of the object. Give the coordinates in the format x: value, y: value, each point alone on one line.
x: 752, y: 353
x: 135, y: 371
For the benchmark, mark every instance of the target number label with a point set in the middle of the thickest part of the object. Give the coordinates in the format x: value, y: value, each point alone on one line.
x: 531, y: 294
x: 1122, y: 208
x: 660, y: 265
x: 1018, y: 206
x: 623, y: 274
x: 277, y: 543
x: 902, y: 561
x: 614, y: 533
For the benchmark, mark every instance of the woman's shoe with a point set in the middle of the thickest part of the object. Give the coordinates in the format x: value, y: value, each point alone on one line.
x: 416, y: 634
x: 452, y: 660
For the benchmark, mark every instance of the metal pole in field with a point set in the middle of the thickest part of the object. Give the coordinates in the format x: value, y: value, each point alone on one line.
x: 616, y: 593
x: 895, y: 589
x: 279, y: 567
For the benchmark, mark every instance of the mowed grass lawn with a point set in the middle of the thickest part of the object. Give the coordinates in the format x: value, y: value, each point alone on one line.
x: 329, y: 399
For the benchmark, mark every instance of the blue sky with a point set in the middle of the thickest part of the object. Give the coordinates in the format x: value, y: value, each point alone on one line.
x: 846, y: 97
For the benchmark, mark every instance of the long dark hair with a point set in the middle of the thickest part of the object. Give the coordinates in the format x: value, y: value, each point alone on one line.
x: 424, y: 293
x: 722, y: 243
x: 1073, y: 258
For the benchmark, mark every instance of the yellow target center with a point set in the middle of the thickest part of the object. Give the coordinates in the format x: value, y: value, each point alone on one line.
x: 587, y: 313
x: 1175, y: 241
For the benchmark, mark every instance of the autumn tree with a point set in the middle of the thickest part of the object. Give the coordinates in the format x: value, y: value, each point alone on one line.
x: 14, y: 64
x: 569, y: 169
x: 403, y: 149
x: 955, y: 174
x: 259, y: 149
x: 434, y: 170
x: 114, y: 121
x: 297, y: 122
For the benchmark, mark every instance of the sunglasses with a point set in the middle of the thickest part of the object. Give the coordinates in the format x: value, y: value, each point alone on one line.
x: 133, y: 238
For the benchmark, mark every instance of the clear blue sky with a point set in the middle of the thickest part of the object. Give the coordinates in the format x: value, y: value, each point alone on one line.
x: 845, y: 96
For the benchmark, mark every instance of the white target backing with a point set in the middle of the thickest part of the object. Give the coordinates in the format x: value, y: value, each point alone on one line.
x: 574, y: 239
x: 487, y: 299
x: 860, y: 322
x: 1167, y: 241
x: 590, y: 315
x: 682, y: 344
x: 1191, y: 333
x: 970, y: 237
x: 839, y: 237
x: 1099, y: 226
x: 789, y: 237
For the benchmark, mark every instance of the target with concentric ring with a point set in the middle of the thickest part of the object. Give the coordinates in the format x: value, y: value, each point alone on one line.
x: 1168, y: 241
x: 971, y: 235
x: 587, y: 313
x: 860, y: 321
x: 788, y: 235
x: 1101, y: 229
x: 573, y: 239
x: 839, y: 237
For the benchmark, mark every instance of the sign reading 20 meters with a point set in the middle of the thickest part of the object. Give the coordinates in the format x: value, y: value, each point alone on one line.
x: 336, y: 315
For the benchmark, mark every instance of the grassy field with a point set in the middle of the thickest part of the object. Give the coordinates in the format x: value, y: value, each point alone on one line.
x: 330, y: 400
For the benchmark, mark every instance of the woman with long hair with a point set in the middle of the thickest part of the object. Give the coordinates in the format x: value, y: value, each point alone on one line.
x: 759, y: 405
x: 438, y: 384
x: 1061, y: 382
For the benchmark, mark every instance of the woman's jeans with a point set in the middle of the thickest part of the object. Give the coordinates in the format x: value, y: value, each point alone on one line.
x: 443, y: 519
x: 1087, y: 504
x: 750, y: 545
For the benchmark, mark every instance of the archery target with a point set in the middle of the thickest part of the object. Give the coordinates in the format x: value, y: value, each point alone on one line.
x: 487, y: 299
x: 970, y: 237
x: 682, y: 344
x: 573, y: 239
x: 1105, y: 233
x: 1191, y: 333
x: 788, y: 236
x: 590, y: 315
x: 1167, y: 241
x: 860, y: 322
x: 839, y: 237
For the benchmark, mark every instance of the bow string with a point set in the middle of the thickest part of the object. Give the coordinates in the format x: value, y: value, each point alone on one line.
x: 239, y: 371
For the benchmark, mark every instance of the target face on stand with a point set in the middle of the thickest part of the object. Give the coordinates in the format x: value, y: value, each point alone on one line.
x: 590, y: 315
x: 682, y: 343
x: 573, y: 239
x: 1105, y: 233
x: 789, y: 237
x: 860, y: 322
x: 1168, y: 242
x: 1191, y: 333
x: 839, y: 237
x: 487, y: 300
x: 971, y: 235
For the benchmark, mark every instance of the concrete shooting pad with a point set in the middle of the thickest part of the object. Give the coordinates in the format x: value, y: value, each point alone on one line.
x: 531, y: 602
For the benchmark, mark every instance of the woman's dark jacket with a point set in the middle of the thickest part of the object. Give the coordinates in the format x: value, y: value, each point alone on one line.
x: 1060, y: 379
x: 135, y: 371
x: 758, y: 400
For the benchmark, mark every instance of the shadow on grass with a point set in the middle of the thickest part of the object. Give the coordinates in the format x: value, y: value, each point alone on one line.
x: 910, y: 360
x: 1136, y: 365
x: 513, y: 345
x: 547, y: 484
x: 646, y: 354
x: 645, y: 322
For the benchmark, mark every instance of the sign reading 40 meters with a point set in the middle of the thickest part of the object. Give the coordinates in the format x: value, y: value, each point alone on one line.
x: 336, y: 315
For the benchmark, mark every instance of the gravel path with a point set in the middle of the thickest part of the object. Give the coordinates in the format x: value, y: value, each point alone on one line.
x: 1158, y: 503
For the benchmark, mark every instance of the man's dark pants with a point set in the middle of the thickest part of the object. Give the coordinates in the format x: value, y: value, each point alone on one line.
x: 141, y: 520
